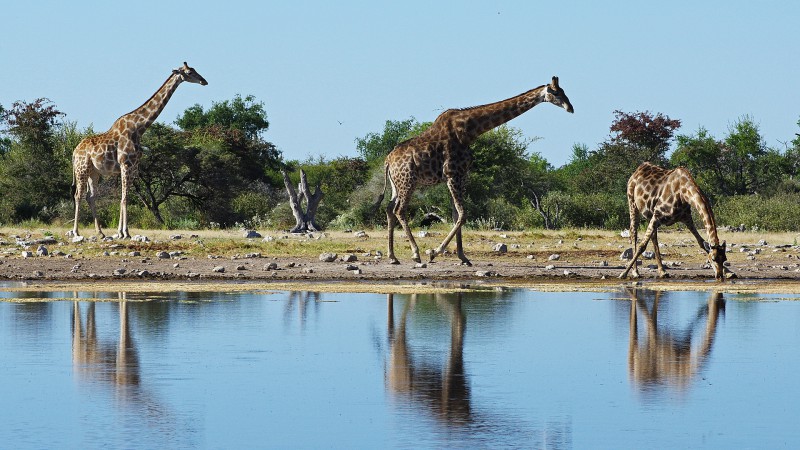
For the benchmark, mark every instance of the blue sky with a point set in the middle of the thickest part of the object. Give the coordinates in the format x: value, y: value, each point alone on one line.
x: 316, y: 64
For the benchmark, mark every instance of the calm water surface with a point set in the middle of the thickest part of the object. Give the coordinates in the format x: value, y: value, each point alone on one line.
x: 516, y: 368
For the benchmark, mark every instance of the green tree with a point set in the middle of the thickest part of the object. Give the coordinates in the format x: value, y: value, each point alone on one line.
x: 753, y: 167
x: 701, y: 153
x: 374, y: 147
x: 220, y: 163
x: 245, y: 114
x: 33, y: 173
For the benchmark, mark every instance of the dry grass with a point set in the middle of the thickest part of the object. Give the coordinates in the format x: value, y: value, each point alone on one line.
x: 225, y: 243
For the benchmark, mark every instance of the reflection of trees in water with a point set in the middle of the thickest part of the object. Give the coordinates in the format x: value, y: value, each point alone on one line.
x: 441, y: 389
x: 104, y: 362
x: 662, y: 355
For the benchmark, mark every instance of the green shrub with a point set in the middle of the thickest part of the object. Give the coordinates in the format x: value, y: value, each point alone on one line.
x: 777, y: 213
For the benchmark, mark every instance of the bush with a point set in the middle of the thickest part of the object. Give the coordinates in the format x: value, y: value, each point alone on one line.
x: 777, y: 213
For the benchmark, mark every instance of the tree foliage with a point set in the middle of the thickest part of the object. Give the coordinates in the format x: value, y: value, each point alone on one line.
x: 244, y: 114
x: 374, y: 147
x: 33, y: 165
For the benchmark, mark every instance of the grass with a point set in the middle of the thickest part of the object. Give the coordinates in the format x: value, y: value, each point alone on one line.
x: 229, y: 243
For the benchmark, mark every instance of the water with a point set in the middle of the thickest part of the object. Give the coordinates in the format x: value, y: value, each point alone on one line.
x: 493, y: 369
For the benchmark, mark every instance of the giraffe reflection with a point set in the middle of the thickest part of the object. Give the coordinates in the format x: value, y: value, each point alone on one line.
x: 98, y: 360
x: 667, y: 357
x: 443, y: 390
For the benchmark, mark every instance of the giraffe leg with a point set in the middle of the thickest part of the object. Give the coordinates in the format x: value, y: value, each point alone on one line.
x: 91, y: 197
x: 391, y: 221
x: 456, y: 187
x: 638, y: 252
x: 633, y: 236
x: 400, y: 212
x: 661, y: 272
x: 80, y: 182
x: 700, y: 241
x: 122, y: 226
x: 459, y: 244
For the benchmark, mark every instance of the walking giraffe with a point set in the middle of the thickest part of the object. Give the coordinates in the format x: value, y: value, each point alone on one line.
x: 665, y: 197
x: 442, y: 154
x: 118, y: 150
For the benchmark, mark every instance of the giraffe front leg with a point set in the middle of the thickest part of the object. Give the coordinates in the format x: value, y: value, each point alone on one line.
x: 456, y: 186
x: 126, y: 175
x: 640, y: 249
x: 80, y: 182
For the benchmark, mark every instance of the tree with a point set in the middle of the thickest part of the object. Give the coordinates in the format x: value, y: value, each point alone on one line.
x: 635, y: 138
x: 648, y: 135
x: 32, y: 168
x: 701, y: 153
x: 221, y: 154
x: 167, y: 169
x: 374, y: 147
x: 245, y: 114
x: 752, y: 166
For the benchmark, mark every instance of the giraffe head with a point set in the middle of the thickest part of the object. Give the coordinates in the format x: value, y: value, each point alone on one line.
x: 187, y: 73
x: 717, y: 258
x: 555, y: 95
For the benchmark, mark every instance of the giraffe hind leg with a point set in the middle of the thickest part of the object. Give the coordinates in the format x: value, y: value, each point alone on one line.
x: 91, y: 197
x: 401, y: 198
x: 662, y: 273
x: 80, y: 183
x: 391, y: 222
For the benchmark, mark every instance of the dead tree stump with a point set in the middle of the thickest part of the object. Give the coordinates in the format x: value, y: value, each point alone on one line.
x: 305, y: 219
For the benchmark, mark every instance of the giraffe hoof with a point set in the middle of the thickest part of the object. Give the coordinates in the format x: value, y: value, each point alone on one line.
x: 465, y: 262
x: 394, y: 261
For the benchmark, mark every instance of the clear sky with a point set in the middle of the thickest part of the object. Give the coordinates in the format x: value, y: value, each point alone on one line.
x: 329, y: 72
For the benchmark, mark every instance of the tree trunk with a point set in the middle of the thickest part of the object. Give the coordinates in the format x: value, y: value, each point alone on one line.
x: 304, y: 220
x: 312, y: 201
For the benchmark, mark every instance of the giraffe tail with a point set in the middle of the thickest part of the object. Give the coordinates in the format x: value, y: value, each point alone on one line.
x: 73, y: 189
x: 380, y: 198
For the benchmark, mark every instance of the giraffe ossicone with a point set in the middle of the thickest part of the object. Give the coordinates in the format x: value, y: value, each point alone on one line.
x: 441, y: 154
x: 665, y: 197
x: 118, y: 150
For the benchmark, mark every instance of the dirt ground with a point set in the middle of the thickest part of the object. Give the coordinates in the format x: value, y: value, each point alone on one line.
x: 576, y: 259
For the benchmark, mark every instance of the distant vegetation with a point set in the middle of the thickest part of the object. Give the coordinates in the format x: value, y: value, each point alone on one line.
x: 214, y: 168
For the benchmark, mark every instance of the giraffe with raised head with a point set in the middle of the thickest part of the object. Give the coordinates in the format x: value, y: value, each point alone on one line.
x: 118, y: 150
x: 442, y: 154
x: 665, y: 197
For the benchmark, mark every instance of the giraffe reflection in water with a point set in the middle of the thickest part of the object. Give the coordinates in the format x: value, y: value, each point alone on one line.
x: 667, y: 356
x: 104, y: 362
x: 444, y: 391
x: 97, y: 360
x: 441, y: 388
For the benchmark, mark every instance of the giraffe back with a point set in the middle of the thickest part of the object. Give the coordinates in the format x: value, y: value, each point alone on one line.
x: 666, y: 193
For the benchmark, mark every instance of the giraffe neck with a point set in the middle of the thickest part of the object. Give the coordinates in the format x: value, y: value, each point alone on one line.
x: 144, y: 116
x: 481, y: 119
x: 700, y: 204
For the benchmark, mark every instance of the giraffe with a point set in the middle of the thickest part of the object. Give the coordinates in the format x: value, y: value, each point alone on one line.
x: 663, y: 355
x: 117, y: 151
x: 442, y: 154
x: 665, y: 197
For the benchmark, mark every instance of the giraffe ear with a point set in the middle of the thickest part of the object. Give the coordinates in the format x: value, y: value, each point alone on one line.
x: 174, y: 71
x: 554, y: 84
